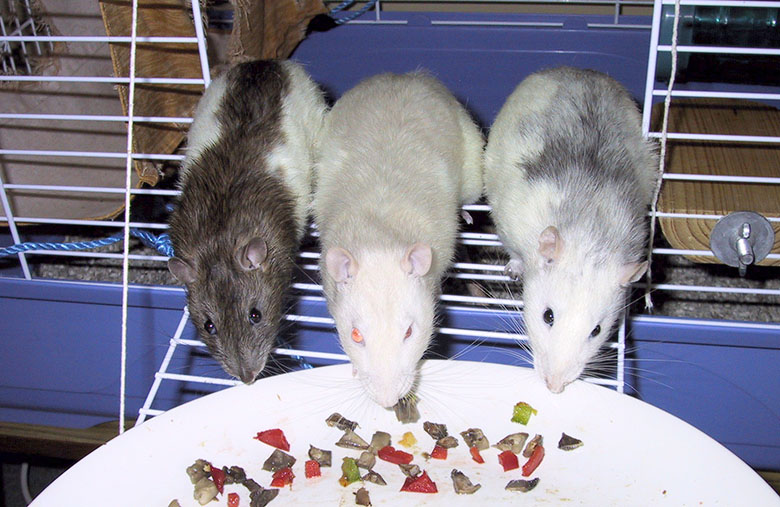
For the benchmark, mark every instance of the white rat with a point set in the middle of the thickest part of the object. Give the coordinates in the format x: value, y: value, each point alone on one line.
x: 569, y: 177
x: 400, y: 156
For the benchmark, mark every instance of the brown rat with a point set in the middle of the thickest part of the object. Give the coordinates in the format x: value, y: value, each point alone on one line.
x: 245, y: 190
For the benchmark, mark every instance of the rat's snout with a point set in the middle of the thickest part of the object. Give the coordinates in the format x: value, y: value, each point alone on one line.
x: 248, y: 377
x: 248, y: 371
x: 555, y: 386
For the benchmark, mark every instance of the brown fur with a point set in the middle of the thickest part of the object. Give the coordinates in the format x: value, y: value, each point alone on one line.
x: 228, y: 198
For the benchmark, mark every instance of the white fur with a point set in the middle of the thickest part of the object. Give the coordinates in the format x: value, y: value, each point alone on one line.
x: 303, y: 112
x: 399, y: 156
x: 582, y: 292
x: 204, y: 130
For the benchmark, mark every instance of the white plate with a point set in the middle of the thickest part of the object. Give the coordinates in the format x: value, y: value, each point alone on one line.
x: 634, y: 454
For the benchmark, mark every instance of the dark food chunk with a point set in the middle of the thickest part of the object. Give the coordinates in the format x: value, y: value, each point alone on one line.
x: 435, y: 430
x: 198, y: 470
x: 406, y: 410
x: 278, y: 460
x: 374, y: 477
x: 529, y: 449
x: 462, y: 484
x: 568, y: 443
x: 410, y: 470
x: 513, y: 442
x: 447, y: 442
x: 341, y: 422
x: 261, y: 497
x: 475, y: 438
x: 361, y: 497
x: 234, y: 475
x: 379, y: 440
x: 522, y: 485
x: 320, y: 456
x: 366, y: 460
x: 351, y: 440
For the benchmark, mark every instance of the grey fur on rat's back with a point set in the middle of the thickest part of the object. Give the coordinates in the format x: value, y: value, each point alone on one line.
x: 592, y: 155
x: 570, y: 177
x: 235, y: 229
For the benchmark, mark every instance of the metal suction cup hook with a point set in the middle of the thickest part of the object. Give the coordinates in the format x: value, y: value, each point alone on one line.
x: 742, y: 238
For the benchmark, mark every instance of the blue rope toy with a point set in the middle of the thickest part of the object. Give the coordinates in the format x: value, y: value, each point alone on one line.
x: 161, y: 243
x: 349, y: 17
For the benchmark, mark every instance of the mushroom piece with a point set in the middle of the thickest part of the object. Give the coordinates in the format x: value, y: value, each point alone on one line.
x: 374, y: 477
x: 522, y: 485
x: 379, y: 440
x: 406, y: 410
x: 437, y: 431
x: 205, y: 491
x: 409, y: 470
x: 234, y: 475
x: 361, y: 497
x: 569, y: 443
x: 513, y: 442
x: 198, y: 470
x: 351, y: 440
x: 261, y: 497
x: 320, y: 456
x: 447, y: 442
x: 252, y: 485
x: 475, y: 438
x: 529, y: 449
x: 366, y: 460
x: 278, y: 460
x: 462, y: 484
x: 341, y: 422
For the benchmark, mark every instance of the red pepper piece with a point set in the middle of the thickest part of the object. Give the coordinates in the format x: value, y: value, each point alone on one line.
x: 274, y: 437
x: 388, y: 453
x: 508, y: 460
x: 533, y: 461
x: 233, y: 499
x: 218, y: 476
x: 475, y: 455
x: 282, y: 477
x: 312, y: 469
x: 439, y: 452
x: 420, y: 484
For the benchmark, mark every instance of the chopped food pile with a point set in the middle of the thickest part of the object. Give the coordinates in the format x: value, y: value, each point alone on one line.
x: 209, y: 481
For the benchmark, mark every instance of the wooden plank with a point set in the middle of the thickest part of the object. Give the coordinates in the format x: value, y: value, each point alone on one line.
x: 773, y: 478
x: 718, y: 116
x: 54, y: 442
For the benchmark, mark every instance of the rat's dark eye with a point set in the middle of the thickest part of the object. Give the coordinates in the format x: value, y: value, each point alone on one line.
x: 255, y: 316
x: 595, y: 332
x: 210, y: 327
x: 548, y: 317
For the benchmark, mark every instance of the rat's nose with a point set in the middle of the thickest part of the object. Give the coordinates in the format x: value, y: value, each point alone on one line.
x: 248, y: 375
x: 555, y: 386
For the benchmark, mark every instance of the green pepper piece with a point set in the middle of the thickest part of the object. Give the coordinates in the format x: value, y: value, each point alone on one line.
x: 522, y: 412
x: 349, y: 471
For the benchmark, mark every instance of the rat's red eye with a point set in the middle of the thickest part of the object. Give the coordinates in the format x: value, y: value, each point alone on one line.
x: 408, y: 332
x: 356, y: 336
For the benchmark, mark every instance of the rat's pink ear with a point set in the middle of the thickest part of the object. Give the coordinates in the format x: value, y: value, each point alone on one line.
x: 181, y: 270
x: 253, y: 254
x: 340, y: 264
x: 417, y: 259
x: 630, y: 273
x: 550, y: 245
